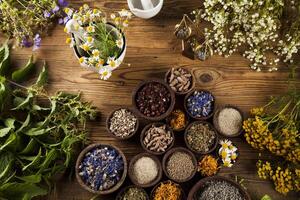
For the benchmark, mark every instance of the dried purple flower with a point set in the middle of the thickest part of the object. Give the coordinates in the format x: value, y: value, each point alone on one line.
x: 61, y: 21
x: 47, y: 14
x: 36, y: 42
x: 26, y: 42
x: 63, y: 3
x: 55, y: 9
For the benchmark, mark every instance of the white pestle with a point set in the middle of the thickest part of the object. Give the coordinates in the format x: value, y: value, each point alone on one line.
x: 147, y: 4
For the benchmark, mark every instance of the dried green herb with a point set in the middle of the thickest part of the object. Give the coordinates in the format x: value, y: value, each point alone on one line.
x: 39, y: 133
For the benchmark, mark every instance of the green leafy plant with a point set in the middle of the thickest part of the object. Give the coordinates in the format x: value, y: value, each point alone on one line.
x: 39, y: 133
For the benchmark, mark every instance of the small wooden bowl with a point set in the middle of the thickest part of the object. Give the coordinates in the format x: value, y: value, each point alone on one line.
x: 183, y: 196
x: 199, y: 118
x: 133, y: 178
x: 122, y: 191
x: 171, y: 152
x: 201, y: 184
x: 168, y: 119
x: 108, y: 124
x: 172, y: 100
x: 214, y: 146
x: 192, y: 86
x: 81, y: 156
x: 142, y: 136
x: 216, y: 124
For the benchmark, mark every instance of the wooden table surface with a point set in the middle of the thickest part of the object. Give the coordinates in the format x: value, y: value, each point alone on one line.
x: 152, y: 49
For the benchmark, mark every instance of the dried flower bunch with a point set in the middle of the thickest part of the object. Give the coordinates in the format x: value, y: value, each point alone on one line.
x: 265, y: 32
x: 275, y: 127
x: 26, y: 20
x: 285, y: 179
x: 208, y: 166
x: 100, y: 45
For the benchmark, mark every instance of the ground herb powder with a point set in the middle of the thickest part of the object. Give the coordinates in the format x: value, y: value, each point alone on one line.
x: 230, y: 121
x: 145, y: 170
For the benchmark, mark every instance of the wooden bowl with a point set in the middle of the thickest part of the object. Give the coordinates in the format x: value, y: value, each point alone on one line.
x: 171, y: 152
x: 199, y: 118
x: 168, y: 119
x: 216, y: 124
x: 201, y: 184
x: 192, y: 86
x: 122, y: 191
x: 81, y: 156
x: 142, y: 136
x: 108, y: 124
x: 172, y: 100
x: 133, y: 178
x: 214, y: 146
x: 183, y: 196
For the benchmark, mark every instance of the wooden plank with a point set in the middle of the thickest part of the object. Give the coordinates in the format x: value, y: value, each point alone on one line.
x: 152, y: 50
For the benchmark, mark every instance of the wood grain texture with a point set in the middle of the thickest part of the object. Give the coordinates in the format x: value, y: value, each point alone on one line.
x: 152, y: 50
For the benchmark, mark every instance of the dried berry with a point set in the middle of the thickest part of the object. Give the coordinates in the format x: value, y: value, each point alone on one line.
x: 153, y: 99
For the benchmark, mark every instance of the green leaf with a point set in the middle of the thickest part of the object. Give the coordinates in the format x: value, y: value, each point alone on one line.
x: 50, y: 156
x: 23, y: 73
x: 21, y: 191
x: 36, y: 178
x: 23, y: 104
x: 25, y: 123
x: 35, y: 161
x: 38, y: 131
x: 12, y: 138
x: 9, y: 122
x: 6, y: 162
x: 4, y: 60
x: 4, y: 131
x: 31, y: 147
x: 4, y: 92
x: 43, y: 76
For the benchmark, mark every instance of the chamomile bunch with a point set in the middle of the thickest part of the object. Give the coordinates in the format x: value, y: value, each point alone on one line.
x: 228, y: 153
x: 99, y: 37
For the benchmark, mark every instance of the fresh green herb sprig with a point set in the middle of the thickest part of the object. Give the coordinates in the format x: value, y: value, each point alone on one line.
x: 39, y: 133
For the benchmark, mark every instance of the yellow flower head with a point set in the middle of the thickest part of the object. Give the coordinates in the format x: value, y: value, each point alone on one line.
x: 68, y: 40
x: 85, y: 6
x: 90, y: 29
x: 96, y: 53
x: 85, y: 47
x: 90, y: 39
x: 81, y: 60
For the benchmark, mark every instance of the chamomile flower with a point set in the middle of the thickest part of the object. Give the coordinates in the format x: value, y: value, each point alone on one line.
x: 119, y: 43
x: 104, y: 73
x: 227, y: 162
x: 125, y: 23
x: 89, y: 40
x: 224, y: 153
x: 112, y: 16
x: 85, y: 7
x: 90, y: 29
x: 100, y: 63
x: 86, y: 46
x: 112, y: 63
x: 233, y: 156
x: 83, y: 60
x: 125, y: 13
x: 70, y: 41
x: 96, y: 53
x: 225, y: 143
x: 68, y: 11
x: 232, y: 148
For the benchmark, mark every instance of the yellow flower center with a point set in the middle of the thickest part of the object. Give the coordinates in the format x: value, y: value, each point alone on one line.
x: 112, y: 63
x: 68, y: 40
x: 225, y: 145
x: 105, y: 73
x: 224, y: 154
x: 89, y: 39
x: 81, y: 60
x: 233, y: 156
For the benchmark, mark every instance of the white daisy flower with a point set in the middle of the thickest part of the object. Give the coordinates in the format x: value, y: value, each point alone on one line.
x: 233, y: 156
x: 112, y: 63
x: 232, y: 148
x: 227, y: 162
x: 225, y: 143
x: 96, y: 53
x: 105, y: 73
x: 125, y: 13
x: 120, y: 43
x: 89, y: 40
x: 224, y: 153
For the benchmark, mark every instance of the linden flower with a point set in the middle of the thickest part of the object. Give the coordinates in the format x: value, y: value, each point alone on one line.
x: 104, y: 73
x: 225, y: 143
x: 120, y: 43
x: 90, y: 29
x: 227, y: 162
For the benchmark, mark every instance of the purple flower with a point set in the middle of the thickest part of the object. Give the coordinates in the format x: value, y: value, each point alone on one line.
x: 47, y: 14
x: 63, y: 3
x: 36, y: 42
x: 26, y: 43
x: 61, y: 21
x: 55, y: 9
x: 66, y: 19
